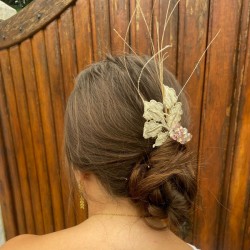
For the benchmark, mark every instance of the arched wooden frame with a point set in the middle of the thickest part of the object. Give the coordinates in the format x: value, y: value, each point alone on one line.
x: 42, y: 49
x: 30, y: 20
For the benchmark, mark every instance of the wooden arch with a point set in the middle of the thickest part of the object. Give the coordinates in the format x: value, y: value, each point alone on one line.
x: 43, y: 48
x: 27, y: 22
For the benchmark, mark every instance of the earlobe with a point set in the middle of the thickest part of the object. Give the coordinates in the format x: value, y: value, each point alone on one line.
x: 81, y: 177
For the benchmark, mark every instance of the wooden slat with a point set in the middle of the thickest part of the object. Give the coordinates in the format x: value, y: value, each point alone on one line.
x: 6, y: 195
x: 140, y: 35
x: 24, y: 121
x: 30, y: 20
x: 57, y: 95
x: 119, y: 20
x: 193, y: 18
x: 18, y: 142
x: 239, y: 193
x: 69, y: 69
x: 246, y: 239
x: 218, y: 90
x: 44, y: 72
x: 12, y: 165
x: 236, y: 184
x: 100, y: 28
x: 68, y: 50
x: 161, y: 10
x: 83, y: 34
x: 43, y: 86
x: 37, y: 134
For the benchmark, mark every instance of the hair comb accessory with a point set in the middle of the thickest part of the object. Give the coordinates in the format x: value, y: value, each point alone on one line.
x: 163, y: 119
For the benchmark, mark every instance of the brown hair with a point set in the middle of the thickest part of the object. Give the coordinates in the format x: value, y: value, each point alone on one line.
x: 104, y: 135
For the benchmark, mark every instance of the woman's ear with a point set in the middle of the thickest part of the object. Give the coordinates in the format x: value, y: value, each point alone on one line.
x: 81, y: 176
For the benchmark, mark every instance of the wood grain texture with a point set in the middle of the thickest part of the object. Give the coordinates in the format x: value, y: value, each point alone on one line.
x: 220, y: 68
x: 246, y: 239
x: 83, y: 33
x: 166, y: 12
x: 18, y: 141
x: 53, y: 55
x: 119, y: 21
x: 44, y: 93
x: 30, y: 20
x: 100, y: 28
x: 193, y: 19
x: 6, y: 194
x: 140, y: 31
x: 37, y: 75
x: 24, y: 120
x: 236, y: 183
x: 37, y: 133
x: 11, y: 165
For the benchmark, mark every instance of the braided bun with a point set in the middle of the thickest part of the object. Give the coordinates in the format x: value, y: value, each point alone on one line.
x: 166, y: 188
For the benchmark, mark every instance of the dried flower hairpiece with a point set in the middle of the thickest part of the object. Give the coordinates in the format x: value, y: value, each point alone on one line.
x: 163, y: 119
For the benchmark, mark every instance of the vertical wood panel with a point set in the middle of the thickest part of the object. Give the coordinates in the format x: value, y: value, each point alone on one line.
x: 37, y: 76
x: 12, y: 165
x: 239, y: 191
x: 167, y: 11
x: 220, y: 69
x: 37, y: 133
x: 69, y: 69
x: 246, y: 240
x: 6, y: 193
x: 68, y: 50
x: 119, y: 20
x: 193, y: 19
x: 43, y: 85
x: 24, y: 121
x: 57, y: 93
x: 236, y: 184
x: 18, y: 142
x: 100, y: 28
x: 83, y: 33
x: 140, y: 34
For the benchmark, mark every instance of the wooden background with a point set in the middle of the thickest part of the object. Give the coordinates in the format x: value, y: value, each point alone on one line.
x: 43, y: 48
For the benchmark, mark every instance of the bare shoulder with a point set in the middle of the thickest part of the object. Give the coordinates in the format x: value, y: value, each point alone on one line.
x: 75, y: 238
x: 100, y: 234
x: 20, y: 242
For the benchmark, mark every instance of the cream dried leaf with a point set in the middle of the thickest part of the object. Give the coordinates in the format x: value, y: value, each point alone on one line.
x: 161, y: 138
x: 151, y: 129
x: 170, y: 97
x: 174, y: 115
x: 153, y: 110
x: 163, y: 119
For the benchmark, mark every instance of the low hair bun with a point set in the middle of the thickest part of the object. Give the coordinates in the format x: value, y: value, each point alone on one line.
x: 166, y: 189
x: 104, y: 135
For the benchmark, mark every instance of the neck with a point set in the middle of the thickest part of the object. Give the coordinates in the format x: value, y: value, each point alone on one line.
x: 112, y: 206
x: 100, y: 202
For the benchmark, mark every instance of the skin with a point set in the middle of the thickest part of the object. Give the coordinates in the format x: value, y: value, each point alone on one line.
x: 102, y: 231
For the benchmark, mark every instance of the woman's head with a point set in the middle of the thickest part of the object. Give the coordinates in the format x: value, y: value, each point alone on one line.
x: 104, y: 136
